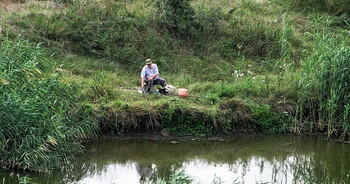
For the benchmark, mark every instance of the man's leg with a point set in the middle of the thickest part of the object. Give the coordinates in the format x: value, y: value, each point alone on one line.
x: 148, y: 86
x: 160, y: 81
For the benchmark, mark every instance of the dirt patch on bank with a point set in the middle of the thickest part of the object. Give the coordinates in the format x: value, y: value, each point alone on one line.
x: 7, y: 6
x: 159, y: 137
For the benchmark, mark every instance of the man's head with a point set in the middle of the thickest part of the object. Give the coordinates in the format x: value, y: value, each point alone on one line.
x: 148, y: 61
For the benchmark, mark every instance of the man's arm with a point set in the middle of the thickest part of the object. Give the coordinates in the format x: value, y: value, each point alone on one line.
x: 142, y: 82
x: 153, y: 76
x: 143, y: 75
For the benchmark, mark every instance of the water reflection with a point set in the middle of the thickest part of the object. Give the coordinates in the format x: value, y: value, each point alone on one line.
x: 112, y: 173
x: 252, y: 172
x: 145, y: 171
x: 273, y: 159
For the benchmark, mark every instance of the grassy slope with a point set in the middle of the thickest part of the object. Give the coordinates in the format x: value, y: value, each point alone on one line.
x: 247, y: 79
x: 252, y: 56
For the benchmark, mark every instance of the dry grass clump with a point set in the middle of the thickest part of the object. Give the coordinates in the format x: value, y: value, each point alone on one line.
x: 9, y: 6
x: 239, y: 113
x: 124, y: 118
x: 286, y: 107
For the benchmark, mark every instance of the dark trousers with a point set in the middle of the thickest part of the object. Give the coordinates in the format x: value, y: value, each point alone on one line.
x: 149, y: 84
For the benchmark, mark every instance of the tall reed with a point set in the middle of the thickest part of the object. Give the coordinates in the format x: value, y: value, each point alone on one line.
x: 41, y: 122
x: 324, y: 95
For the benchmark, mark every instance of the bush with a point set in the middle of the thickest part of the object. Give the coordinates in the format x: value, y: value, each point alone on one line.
x: 270, y: 122
x: 177, y: 16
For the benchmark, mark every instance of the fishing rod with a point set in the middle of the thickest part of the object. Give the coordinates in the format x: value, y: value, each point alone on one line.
x: 191, y: 96
x: 181, y: 96
x: 128, y: 88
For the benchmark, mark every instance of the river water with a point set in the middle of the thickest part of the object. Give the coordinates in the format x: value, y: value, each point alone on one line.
x: 281, y: 159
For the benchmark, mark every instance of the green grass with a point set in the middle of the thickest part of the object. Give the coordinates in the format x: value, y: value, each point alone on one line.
x: 332, y: 6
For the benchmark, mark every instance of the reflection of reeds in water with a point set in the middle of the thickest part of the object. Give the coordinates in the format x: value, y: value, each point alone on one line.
x: 304, y: 159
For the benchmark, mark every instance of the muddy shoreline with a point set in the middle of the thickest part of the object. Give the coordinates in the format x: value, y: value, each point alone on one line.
x: 216, y: 137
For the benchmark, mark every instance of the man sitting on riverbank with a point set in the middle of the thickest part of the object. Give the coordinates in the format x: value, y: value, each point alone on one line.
x: 150, y: 76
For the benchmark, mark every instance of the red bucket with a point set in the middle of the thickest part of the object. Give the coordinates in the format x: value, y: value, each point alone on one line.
x: 182, y: 92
